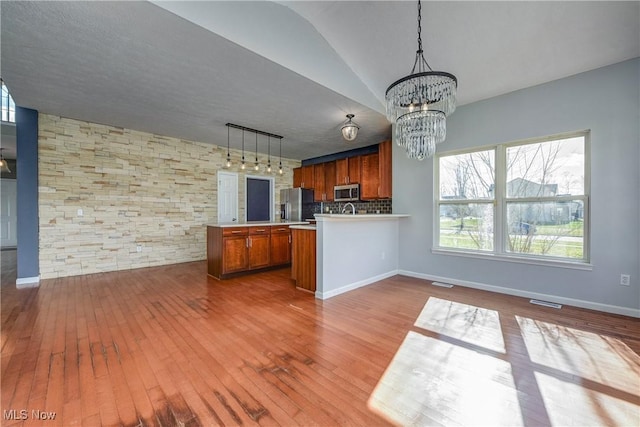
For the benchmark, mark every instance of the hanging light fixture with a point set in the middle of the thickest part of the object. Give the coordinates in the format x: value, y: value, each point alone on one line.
x: 256, y: 166
x: 280, y: 165
x: 4, y: 166
x: 269, y: 153
x: 242, y: 165
x: 420, y: 103
x: 350, y: 129
x: 228, y: 164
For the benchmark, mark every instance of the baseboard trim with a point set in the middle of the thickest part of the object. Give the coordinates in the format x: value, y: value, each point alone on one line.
x: 28, y: 282
x: 614, y: 309
x: 355, y: 285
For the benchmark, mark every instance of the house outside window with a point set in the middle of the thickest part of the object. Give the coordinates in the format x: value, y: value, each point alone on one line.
x: 526, y: 200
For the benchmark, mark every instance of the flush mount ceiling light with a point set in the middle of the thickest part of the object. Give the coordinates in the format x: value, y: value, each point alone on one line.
x: 420, y: 103
x: 4, y: 166
x: 350, y: 129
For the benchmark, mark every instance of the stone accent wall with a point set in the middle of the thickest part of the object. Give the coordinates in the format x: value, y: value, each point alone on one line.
x: 134, y: 188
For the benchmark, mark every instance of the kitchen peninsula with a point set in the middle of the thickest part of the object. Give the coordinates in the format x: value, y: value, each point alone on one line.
x: 355, y: 250
x: 235, y: 248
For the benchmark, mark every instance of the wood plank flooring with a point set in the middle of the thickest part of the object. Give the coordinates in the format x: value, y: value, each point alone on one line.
x: 168, y: 346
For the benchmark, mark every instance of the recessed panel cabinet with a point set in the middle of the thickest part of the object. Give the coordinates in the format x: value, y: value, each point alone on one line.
x: 232, y: 250
x: 370, y: 179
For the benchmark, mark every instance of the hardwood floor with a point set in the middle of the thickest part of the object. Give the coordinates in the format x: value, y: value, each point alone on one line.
x: 170, y: 346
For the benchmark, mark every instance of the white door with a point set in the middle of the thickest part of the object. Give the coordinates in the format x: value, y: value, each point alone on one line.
x: 8, y: 213
x: 227, y: 197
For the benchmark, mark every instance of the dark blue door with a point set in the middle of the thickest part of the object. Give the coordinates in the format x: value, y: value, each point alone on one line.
x: 258, y: 199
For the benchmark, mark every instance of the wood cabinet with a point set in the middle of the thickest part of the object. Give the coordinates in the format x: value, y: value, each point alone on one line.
x: 303, y: 177
x: 303, y: 266
x: 370, y: 178
x: 324, y: 181
x: 348, y: 170
x: 385, y: 169
x: 259, y: 245
x: 280, y: 246
x: 232, y: 250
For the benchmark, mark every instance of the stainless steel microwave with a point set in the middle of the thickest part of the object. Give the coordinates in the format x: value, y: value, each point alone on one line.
x: 346, y: 193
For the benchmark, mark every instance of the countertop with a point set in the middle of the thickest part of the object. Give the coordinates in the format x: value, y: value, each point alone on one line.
x: 304, y: 227
x: 358, y: 217
x: 256, y: 223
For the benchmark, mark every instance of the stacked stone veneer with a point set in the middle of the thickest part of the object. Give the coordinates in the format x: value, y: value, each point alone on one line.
x: 134, y: 188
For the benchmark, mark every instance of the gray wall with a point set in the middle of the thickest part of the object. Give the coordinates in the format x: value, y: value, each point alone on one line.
x: 607, y: 101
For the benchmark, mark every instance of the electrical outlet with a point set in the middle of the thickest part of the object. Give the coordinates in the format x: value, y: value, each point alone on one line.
x: 139, y: 248
x: 382, y: 256
x: 625, y: 279
x: 80, y: 212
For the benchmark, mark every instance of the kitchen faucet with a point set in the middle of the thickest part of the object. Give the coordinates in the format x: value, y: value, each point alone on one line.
x: 344, y: 210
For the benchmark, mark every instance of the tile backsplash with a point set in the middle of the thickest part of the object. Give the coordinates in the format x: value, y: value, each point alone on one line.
x: 371, y: 207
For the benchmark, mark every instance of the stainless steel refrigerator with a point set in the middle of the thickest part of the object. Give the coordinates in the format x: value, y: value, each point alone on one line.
x: 295, y: 203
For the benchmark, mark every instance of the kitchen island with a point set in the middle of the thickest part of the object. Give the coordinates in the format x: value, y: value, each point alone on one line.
x: 355, y: 250
x: 237, y: 248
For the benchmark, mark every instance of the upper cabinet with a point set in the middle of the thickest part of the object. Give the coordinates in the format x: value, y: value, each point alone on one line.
x: 371, y: 171
x: 384, y: 169
x: 348, y: 170
x: 303, y: 177
x: 369, y: 178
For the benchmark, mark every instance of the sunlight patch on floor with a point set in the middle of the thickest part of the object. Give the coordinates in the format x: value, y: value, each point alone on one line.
x: 569, y: 404
x: 473, y: 325
x: 433, y: 382
x: 599, y: 358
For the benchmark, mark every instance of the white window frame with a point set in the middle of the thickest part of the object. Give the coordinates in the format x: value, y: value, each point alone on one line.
x: 501, y: 200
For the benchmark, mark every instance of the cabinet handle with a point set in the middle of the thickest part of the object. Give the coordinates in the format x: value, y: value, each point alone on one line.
x: 246, y: 242
x: 289, y: 238
x: 261, y: 230
x: 236, y: 231
x: 250, y: 242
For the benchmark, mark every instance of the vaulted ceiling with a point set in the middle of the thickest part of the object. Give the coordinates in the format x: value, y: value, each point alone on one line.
x: 184, y: 69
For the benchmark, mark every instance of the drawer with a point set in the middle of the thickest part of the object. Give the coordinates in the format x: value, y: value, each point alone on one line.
x: 253, y: 231
x: 279, y: 229
x: 235, y: 231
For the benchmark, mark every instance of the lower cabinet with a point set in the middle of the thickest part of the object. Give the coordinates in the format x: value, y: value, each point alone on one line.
x: 232, y: 250
x: 303, y: 266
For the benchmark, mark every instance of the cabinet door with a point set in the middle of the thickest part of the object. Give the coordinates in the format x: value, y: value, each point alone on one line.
x: 384, y: 169
x: 319, y: 190
x: 297, y: 177
x: 354, y: 170
x: 235, y: 254
x: 342, y: 171
x: 280, y: 248
x: 258, y: 251
x: 329, y: 180
x: 307, y: 177
x: 370, y: 177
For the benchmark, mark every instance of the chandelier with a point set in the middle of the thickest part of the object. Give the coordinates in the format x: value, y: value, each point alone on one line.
x: 420, y: 103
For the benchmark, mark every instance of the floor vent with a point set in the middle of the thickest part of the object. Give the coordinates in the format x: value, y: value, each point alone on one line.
x: 545, y: 303
x: 442, y: 285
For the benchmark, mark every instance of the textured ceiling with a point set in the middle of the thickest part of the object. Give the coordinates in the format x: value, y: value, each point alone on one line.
x: 184, y: 69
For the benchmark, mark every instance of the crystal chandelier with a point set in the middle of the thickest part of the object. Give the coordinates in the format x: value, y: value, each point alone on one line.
x: 420, y: 103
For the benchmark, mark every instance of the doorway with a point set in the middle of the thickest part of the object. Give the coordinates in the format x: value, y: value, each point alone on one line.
x: 227, y: 197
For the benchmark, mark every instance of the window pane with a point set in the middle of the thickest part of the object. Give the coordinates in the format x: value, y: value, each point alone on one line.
x: 466, y: 226
x: 550, y: 228
x: 546, y: 169
x: 467, y: 176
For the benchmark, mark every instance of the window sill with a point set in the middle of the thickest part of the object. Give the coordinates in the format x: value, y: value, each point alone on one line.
x: 516, y: 259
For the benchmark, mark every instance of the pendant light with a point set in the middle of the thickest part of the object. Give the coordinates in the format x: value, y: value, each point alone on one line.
x: 269, y: 153
x: 280, y: 166
x: 4, y: 166
x: 350, y: 129
x: 242, y: 165
x: 256, y: 166
x: 228, y: 164
x: 420, y: 103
